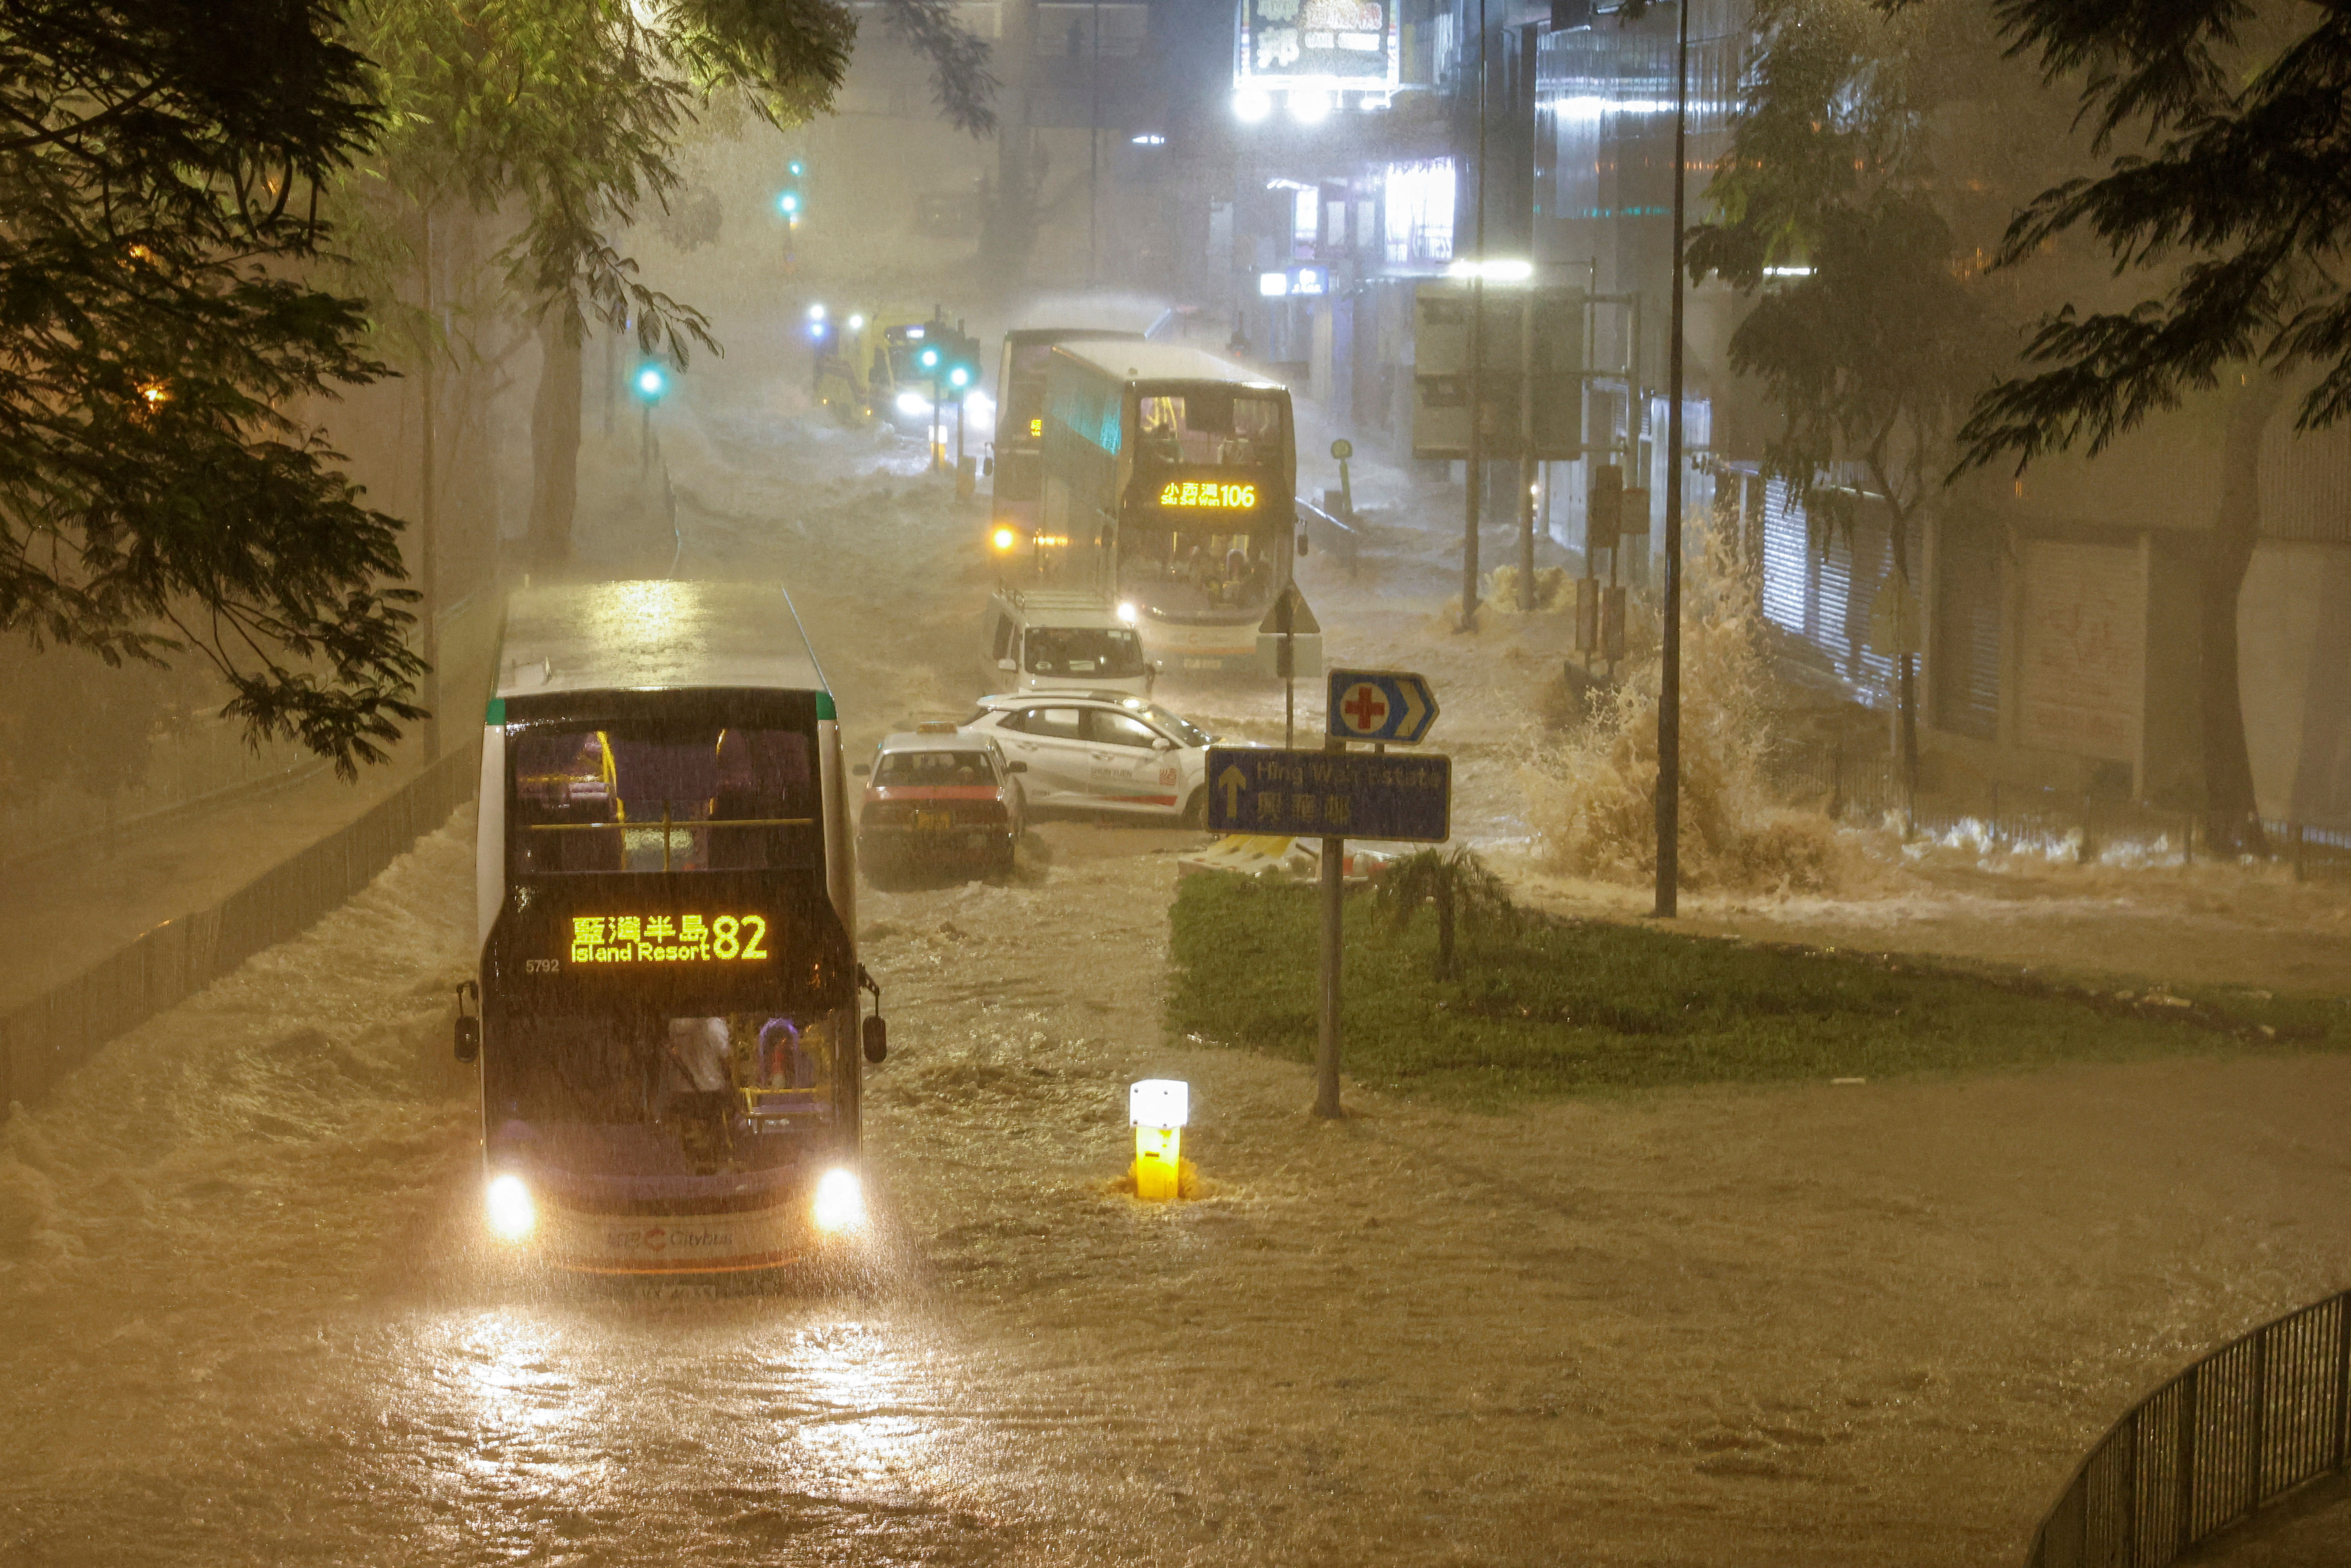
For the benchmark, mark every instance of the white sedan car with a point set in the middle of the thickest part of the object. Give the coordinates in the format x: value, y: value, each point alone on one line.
x: 1102, y: 751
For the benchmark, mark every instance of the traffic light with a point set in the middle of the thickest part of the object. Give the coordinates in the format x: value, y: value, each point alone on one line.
x: 792, y: 200
x: 650, y: 382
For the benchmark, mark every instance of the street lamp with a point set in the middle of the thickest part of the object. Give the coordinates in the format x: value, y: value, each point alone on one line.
x: 1669, y: 694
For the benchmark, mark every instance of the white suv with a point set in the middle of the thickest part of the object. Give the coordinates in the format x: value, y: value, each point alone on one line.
x: 1055, y: 640
x: 1102, y: 751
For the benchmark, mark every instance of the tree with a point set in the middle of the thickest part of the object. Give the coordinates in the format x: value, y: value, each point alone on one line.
x: 1871, y: 354
x: 1463, y: 889
x: 573, y: 112
x: 161, y: 163
x: 2234, y: 211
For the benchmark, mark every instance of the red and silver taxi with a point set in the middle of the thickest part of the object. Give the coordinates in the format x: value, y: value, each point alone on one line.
x: 939, y: 797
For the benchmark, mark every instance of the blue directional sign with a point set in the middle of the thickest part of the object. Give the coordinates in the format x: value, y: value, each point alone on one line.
x: 1330, y: 794
x: 1380, y: 704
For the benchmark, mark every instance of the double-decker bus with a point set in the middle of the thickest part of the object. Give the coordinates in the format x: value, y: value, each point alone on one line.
x: 1017, y: 450
x: 1172, y: 474
x: 668, y: 1026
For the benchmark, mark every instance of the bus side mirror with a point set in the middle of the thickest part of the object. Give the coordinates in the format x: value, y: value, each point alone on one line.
x: 987, y: 466
x: 1008, y: 667
x: 877, y: 1038
x: 1016, y: 768
x: 1302, y: 544
x: 468, y: 1032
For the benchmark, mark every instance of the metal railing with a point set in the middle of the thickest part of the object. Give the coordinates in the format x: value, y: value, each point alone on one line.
x: 2238, y: 1430
x: 1336, y: 533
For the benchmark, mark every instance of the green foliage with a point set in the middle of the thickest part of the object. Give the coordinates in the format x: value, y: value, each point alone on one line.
x: 1870, y: 356
x: 575, y: 111
x: 1555, y: 1007
x: 159, y: 174
x: 1462, y: 890
x: 2237, y: 207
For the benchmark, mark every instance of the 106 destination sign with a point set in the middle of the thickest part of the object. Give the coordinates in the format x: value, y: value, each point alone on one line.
x: 1330, y: 794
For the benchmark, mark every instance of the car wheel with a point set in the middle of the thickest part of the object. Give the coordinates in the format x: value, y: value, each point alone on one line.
x: 1196, y: 810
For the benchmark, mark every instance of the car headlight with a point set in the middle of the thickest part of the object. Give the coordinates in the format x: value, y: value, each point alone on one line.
x: 511, y: 1212
x: 840, y: 1201
x: 913, y: 403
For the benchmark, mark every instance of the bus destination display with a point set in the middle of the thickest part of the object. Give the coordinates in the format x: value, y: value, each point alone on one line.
x: 1202, y: 494
x: 665, y: 939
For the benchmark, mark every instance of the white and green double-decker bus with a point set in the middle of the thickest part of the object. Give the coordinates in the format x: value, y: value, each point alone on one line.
x: 668, y: 1028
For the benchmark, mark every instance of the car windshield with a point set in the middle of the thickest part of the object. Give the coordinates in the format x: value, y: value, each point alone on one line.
x: 1109, y: 653
x: 933, y: 767
x: 1182, y: 731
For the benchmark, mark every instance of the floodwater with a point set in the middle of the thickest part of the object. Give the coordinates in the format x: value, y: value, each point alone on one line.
x: 249, y: 1315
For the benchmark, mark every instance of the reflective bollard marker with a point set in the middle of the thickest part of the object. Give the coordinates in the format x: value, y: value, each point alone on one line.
x: 1158, y: 1107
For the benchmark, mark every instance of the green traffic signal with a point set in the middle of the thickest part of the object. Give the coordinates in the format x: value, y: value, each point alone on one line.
x: 650, y: 382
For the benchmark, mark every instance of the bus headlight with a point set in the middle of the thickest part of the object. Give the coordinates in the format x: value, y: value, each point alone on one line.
x: 840, y: 1202
x: 511, y: 1212
x: 1005, y: 538
x: 1126, y: 611
x: 911, y: 403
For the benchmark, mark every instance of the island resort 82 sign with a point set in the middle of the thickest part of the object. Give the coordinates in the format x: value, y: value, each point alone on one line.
x: 1333, y: 45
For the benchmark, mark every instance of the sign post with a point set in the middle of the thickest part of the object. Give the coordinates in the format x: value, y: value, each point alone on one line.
x: 1277, y: 652
x: 1335, y: 794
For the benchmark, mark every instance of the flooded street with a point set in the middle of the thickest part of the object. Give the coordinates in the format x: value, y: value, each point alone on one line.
x: 250, y: 1314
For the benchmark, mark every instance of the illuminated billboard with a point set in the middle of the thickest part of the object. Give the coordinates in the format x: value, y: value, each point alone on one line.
x: 1327, y: 43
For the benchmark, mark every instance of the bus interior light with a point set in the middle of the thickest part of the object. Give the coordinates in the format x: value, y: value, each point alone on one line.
x: 857, y: 323
x: 840, y: 1201
x: 512, y: 1214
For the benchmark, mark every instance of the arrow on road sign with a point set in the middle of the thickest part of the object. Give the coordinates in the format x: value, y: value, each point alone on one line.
x: 1232, y: 781
x: 1380, y: 704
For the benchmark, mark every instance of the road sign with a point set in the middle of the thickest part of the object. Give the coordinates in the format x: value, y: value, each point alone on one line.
x: 1330, y: 794
x: 1380, y: 704
x: 1290, y: 640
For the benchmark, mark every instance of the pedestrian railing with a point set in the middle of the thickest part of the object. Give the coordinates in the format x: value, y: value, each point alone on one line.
x: 2236, y: 1431
x: 1330, y: 532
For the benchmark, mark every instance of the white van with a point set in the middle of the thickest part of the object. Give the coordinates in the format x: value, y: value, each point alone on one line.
x: 1060, y: 640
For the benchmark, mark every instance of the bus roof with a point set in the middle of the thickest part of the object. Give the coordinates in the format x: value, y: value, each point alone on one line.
x: 655, y: 635
x: 1161, y: 362
x: 1048, y: 337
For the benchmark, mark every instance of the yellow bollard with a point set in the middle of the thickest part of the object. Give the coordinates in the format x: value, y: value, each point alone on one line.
x: 1158, y: 1108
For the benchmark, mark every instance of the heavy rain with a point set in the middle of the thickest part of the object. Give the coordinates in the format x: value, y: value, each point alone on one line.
x: 656, y: 912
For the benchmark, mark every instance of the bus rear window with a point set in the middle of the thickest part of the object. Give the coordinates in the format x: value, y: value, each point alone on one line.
x: 643, y: 797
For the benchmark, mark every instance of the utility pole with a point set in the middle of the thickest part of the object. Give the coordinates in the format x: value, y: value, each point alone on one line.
x: 1093, y: 164
x: 1527, y: 450
x: 1670, y: 696
x: 1476, y: 497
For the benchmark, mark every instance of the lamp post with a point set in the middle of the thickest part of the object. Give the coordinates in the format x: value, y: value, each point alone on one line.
x: 1669, y: 696
x: 1474, y: 486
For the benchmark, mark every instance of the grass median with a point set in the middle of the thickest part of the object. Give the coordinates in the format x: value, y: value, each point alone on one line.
x: 1550, y: 1006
